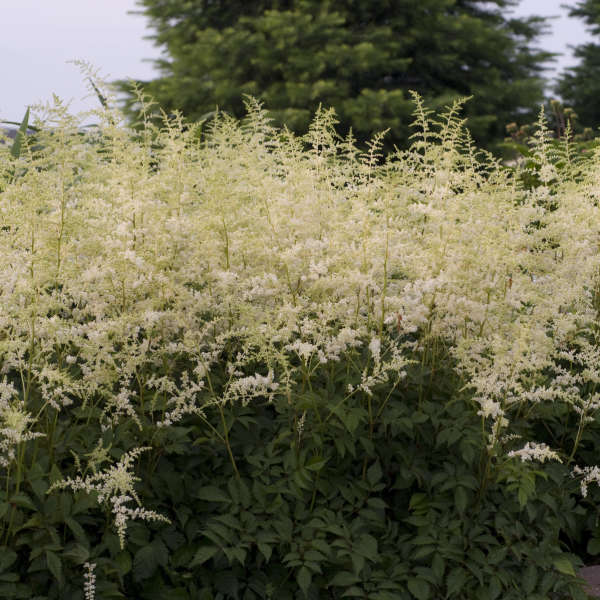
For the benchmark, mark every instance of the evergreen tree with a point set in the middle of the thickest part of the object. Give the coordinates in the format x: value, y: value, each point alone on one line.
x: 359, y: 56
x: 579, y: 86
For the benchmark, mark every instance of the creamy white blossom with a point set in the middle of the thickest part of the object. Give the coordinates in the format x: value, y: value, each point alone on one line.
x: 89, y: 584
x: 588, y: 475
x: 114, y: 486
x: 533, y: 451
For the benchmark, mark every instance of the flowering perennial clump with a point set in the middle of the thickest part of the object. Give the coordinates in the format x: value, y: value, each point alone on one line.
x: 127, y: 255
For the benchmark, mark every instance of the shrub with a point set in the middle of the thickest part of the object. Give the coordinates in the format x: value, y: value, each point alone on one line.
x: 241, y: 364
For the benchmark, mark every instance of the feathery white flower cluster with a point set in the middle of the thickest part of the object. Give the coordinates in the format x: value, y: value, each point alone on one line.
x: 184, y: 399
x: 89, y: 581
x: 114, y: 486
x: 118, y: 406
x: 589, y: 475
x: 533, y: 451
x: 15, y: 423
x: 383, y: 367
x: 244, y: 389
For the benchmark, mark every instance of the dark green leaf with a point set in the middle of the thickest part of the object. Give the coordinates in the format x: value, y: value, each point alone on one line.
x: 419, y: 588
x: 203, y: 554
x: 374, y: 474
x: 304, y: 578
x: 77, y: 530
x: 593, y: 546
x: 358, y: 562
x: 316, y: 463
x: 54, y: 566
x: 367, y: 546
x: 77, y: 554
x: 23, y: 500
x: 344, y: 578
x: 227, y: 583
x: 211, y: 493
x: 564, y: 565
x: 495, y: 588
x: 460, y: 499
x: 456, y: 581
x: 145, y: 563
x: 266, y: 550
x: 123, y: 562
x: 7, y: 557
x: 353, y: 592
x: 438, y: 566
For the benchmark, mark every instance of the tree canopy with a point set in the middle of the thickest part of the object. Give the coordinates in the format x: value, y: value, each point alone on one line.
x: 579, y: 86
x: 360, y: 57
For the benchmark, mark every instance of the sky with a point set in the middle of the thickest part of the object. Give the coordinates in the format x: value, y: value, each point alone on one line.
x: 38, y: 37
x: 562, y: 33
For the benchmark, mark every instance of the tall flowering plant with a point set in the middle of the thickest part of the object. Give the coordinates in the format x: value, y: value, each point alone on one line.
x: 176, y: 276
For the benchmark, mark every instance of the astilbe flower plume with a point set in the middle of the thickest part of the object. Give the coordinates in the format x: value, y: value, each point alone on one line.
x: 114, y: 487
x: 89, y: 585
x: 126, y: 255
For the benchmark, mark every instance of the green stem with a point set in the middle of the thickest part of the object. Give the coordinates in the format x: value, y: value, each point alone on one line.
x: 385, y: 281
x: 383, y: 404
x: 20, y: 459
x: 581, y: 426
x: 226, y: 438
x: 421, y: 387
x: 314, y: 493
x: 332, y: 410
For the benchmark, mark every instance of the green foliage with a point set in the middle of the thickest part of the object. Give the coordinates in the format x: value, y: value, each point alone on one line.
x: 579, y: 86
x: 348, y: 506
x: 556, y: 139
x: 21, y: 133
x: 198, y: 418
x: 361, y: 57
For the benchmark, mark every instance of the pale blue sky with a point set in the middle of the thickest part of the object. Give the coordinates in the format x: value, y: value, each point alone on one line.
x: 564, y: 30
x: 38, y: 37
